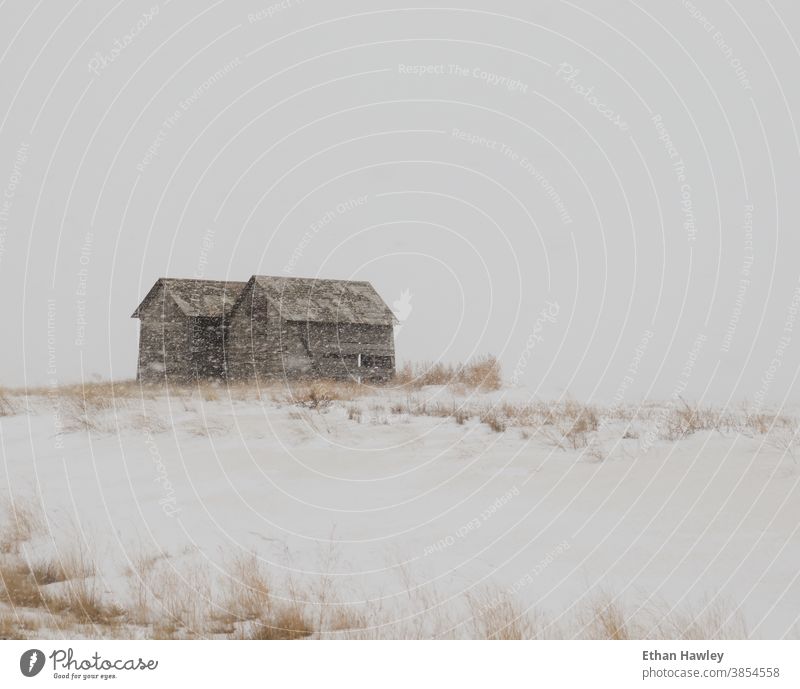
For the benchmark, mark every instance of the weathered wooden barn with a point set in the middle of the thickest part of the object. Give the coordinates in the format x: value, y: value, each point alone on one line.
x: 182, y: 326
x: 266, y: 328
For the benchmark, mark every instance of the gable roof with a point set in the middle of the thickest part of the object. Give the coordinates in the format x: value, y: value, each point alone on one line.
x: 210, y: 298
x: 327, y: 301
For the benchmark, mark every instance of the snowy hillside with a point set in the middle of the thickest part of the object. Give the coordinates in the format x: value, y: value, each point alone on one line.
x: 434, y: 511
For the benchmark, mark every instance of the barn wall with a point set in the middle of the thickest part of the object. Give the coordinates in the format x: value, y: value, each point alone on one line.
x: 335, y: 348
x: 378, y: 360
x: 252, y: 344
x: 294, y: 358
x: 238, y: 353
x: 260, y: 343
x: 207, y: 355
x: 164, y: 342
x: 374, y: 336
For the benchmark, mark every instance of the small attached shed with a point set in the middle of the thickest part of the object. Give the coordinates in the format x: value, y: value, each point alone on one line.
x: 183, y: 328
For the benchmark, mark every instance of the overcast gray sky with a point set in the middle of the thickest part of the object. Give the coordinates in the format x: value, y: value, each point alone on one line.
x: 603, y: 194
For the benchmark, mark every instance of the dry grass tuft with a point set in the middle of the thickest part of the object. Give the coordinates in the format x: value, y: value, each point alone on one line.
x: 348, y: 623
x: 10, y: 629
x: 23, y: 521
x: 687, y: 419
x: 48, y: 572
x: 82, y: 601
x: 573, y: 424
x: 759, y: 423
x: 86, y: 405
x: 494, y: 421
x: 317, y: 395
x: 606, y: 621
x: 461, y: 415
x: 8, y: 407
x: 288, y: 623
x: 421, y: 374
x: 139, y: 574
x: 19, y: 587
x: 484, y: 373
x: 497, y: 617
x: 181, y: 598
x: 714, y: 620
x: 147, y: 422
x: 25, y: 586
x: 249, y: 590
x: 164, y: 631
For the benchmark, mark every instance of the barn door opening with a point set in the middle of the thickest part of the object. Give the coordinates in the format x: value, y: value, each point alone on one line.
x: 377, y: 366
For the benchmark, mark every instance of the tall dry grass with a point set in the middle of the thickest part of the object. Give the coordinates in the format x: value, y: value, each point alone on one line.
x: 10, y: 628
x: 498, y: 617
x: 8, y: 406
x: 71, y: 600
x: 184, y: 601
x: 607, y: 618
x: 93, y: 405
x: 571, y: 424
x: 482, y: 373
x: 109, y: 407
x: 64, y: 587
x: 23, y: 519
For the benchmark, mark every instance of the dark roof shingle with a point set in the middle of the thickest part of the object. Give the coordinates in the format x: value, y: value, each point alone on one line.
x: 329, y: 301
x: 297, y: 299
x: 210, y: 298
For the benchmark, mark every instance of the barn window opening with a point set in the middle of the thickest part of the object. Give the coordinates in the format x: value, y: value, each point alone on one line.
x: 375, y: 361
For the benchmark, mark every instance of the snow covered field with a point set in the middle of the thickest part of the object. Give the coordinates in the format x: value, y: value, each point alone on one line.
x: 431, y: 512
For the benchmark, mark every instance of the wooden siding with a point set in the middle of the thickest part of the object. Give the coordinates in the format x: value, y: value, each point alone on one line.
x: 251, y: 339
x: 164, y: 337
